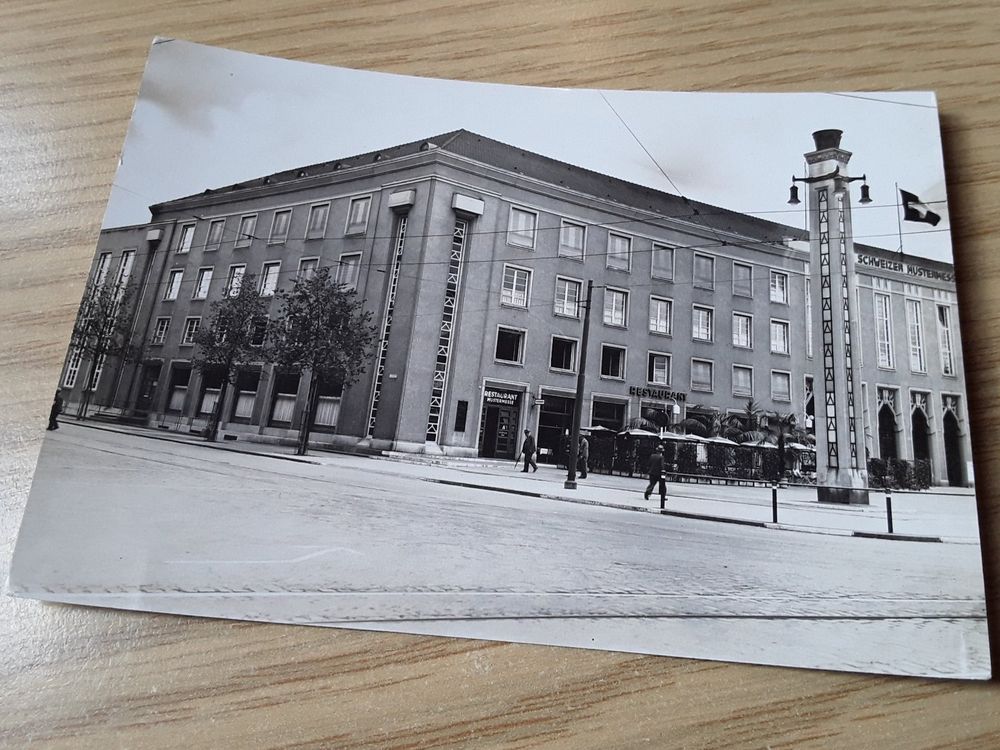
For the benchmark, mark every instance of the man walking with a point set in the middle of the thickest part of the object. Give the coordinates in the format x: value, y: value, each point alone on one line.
x: 583, y: 457
x: 656, y: 475
x: 528, y: 450
x: 55, y: 411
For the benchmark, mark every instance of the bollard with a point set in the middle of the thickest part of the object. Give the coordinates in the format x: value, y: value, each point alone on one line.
x: 888, y: 508
x: 774, y: 501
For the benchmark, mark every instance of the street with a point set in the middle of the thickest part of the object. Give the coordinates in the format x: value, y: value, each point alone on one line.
x: 124, y: 521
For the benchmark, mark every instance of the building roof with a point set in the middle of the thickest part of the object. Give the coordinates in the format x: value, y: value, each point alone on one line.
x: 485, y: 150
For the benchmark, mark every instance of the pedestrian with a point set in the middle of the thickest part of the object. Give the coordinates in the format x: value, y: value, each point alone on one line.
x: 583, y: 456
x: 656, y: 475
x: 55, y: 411
x: 528, y: 451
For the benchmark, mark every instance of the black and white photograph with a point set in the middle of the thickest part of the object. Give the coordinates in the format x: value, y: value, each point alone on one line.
x: 661, y: 373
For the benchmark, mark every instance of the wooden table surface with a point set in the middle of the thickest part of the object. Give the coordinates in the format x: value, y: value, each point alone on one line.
x: 74, y: 677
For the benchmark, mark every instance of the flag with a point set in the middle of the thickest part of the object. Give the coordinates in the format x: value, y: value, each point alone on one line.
x: 915, y: 210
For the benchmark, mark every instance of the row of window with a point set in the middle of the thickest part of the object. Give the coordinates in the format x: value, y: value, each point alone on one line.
x: 515, y: 291
x: 522, y: 229
x: 124, y: 268
x: 915, y: 335
x: 347, y: 274
x: 319, y: 214
x: 510, y: 346
x: 193, y: 324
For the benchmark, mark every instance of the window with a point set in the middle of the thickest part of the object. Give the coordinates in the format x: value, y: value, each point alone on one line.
x: 915, y: 330
x: 743, y: 330
x: 742, y: 380
x: 73, y: 368
x: 248, y: 224
x: 658, y: 368
x: 701, y: 374
x: 619, y: 252
x: 615, y: 307
x: 279, y: 227
x: 883, y: 330
x: 571, y: 240
x: 318, y: 216
x: 563, y: 354
x: 269, y: 279
x: 662, y: 262
x: 307, y: 268
x: 191, y: 326
x: 101, y: 272
x: 160, y: 330
x: 660, y: 315
x: 215, y: 231
x: 461, y: 414
x: 521, y: 227
x: 357, y: 215
x: 612, y: 362
x: 173, y: 284
x: 258, y: 331
x: 809, y: 322
x: 742, y: 280
x: 185, y: 235
x: 704, y: 271
x: 701, y: 323
x: 510, y: 345
x: 235, y: 280
x: 567, y: 297
x: 202, y: 284
x: 781, y: 386
x: 779, y: 336
x: 125, y: 267
x: 349, y: 270
x: 944, y: 340
x: 779, y: 287
x: 515, y: 286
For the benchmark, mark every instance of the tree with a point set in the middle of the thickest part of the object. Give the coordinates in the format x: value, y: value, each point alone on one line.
x: 321, y: 329
x: 231, y: 341
x: 783, y: 428
x: 102, y: 330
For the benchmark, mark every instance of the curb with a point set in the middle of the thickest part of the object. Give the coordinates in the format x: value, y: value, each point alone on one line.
x: 897, y: 537
x: 596, y: 503
x: 212, y: 446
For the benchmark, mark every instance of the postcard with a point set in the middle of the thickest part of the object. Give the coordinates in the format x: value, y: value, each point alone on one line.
x: 663, y: 373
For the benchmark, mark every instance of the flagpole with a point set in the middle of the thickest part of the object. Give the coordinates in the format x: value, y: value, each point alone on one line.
x: 899, y: 221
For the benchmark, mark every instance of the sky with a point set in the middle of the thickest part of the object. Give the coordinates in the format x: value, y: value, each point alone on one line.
x: 207, y: 117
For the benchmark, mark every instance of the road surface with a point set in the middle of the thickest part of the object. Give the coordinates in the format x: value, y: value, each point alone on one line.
x: 124, y: 521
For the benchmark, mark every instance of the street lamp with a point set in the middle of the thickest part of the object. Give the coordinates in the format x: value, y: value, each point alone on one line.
x: 793, y: 191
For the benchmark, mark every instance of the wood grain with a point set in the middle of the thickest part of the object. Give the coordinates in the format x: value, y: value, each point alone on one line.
x: 75, y: 677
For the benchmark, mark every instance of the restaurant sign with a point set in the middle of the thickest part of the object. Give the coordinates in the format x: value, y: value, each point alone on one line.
x: 910, y: 269
x: 658, y: 393
x: 501, y: 398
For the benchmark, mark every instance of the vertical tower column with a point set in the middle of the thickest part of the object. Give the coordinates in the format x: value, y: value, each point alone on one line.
x: 841, y: 467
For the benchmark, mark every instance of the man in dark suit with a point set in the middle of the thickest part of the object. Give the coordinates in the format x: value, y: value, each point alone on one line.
x: 656, y: 475
x: 55, y: 411
x: 528, y: 450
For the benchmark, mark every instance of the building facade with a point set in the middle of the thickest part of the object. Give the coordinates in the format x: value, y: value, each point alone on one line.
x: 473, y: 257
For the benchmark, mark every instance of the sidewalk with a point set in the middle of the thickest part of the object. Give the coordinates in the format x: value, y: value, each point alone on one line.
x: 916, y: 516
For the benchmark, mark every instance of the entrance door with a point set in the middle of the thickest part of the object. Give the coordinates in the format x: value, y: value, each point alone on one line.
x: 498, y: 435
x: 887, y: 433
x: 921, y: 436
x: 147, y: 387
x: 555, y: 421
x: 952, y: 449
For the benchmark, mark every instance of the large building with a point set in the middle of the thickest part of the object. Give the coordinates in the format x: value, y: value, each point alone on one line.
x: 474, y: 258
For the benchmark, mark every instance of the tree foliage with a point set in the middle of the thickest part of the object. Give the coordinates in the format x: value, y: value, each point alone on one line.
x: 323, y: 330
x: 102, y: 330
x: 232, y: 340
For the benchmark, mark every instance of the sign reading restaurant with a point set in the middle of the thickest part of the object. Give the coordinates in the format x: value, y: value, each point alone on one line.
x: 657, y: 393
x: 911, y: 269
x: 503, y: 398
